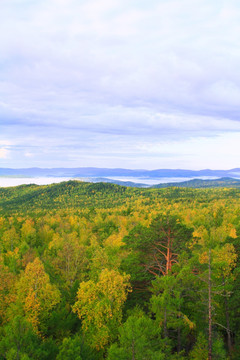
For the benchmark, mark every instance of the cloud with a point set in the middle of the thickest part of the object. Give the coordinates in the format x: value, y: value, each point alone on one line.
x: 94, y: 76
x: 28, y: 154
x: 3, y: 153
x: 225, y: 92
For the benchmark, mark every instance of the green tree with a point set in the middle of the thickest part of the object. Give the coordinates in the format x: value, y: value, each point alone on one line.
x: 158, y: 247
x: 20, y: 342
x: 70, y: 349
x: 200, y: 349
x: 139, y: 339
x: 168, y: 304
x: 216, y: 259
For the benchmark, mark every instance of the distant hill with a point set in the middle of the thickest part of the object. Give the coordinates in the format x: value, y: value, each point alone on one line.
x: 106, y: 173
x: 194, y: 183
x: 119, y: 182
x: 199, y: 183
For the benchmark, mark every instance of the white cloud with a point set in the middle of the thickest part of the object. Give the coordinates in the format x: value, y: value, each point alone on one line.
x: 28, y: 154
x: 3, y: 153
x: 112, y: 75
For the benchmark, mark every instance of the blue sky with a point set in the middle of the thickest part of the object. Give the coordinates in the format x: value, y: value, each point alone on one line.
x: 120, y: 83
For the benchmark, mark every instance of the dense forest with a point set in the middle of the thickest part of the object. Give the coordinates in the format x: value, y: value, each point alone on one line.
x: 101, y: 271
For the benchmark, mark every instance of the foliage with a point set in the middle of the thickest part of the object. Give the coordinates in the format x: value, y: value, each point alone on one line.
x: 77, y: 260
x: 36, y: 296
x: 139, y: 338
x: 99, y: 305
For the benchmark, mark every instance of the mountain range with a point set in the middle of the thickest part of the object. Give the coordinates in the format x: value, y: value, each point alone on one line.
x: 118, y: 172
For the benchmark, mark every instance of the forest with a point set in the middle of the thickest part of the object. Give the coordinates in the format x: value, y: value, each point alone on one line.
x: 102, y: 271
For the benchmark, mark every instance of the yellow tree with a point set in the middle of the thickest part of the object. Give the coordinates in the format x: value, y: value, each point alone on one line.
x: 28, y: 232
x: 6, y: 289
x: 10, y: 239
x: 99, y: 306
x: 36, y: 296
x: 68, y: 256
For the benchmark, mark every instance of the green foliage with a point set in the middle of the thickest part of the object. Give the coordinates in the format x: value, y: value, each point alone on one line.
x: 200, y: 350
x: 79, y: 246
x: 20, y: 342
x: 75, y: 194
x: 70, y: 349
x: 76, y: 348
x: 139, y: 338
x: 219, y: 351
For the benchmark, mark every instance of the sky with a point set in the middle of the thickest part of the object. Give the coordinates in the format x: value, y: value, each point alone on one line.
x: 138, y: 84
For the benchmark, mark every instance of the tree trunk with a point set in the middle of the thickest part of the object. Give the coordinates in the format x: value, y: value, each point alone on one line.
x: 133, y: 350
x: 209, y: 307
x: 229, y: 339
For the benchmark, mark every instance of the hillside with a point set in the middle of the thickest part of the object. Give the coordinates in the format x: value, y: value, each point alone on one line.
x: 76, y: 194
x: 73, y: 194
x: 199, y: 183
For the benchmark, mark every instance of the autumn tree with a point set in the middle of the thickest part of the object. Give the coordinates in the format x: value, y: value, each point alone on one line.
x: 28, y: 232
x: 99, y: 306
x: 67, y: 255
x: 10, y: 239
x: 36, y: 296
x: 7, y: 295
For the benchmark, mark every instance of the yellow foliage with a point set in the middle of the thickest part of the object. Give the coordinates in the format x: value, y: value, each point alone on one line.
x: 7, y: 295
x: 203, y: 258
x: 188, y: 322
x: 70, y: 256
x: 115, y: 240
x: 32, y: 309
x: 225, y: 258
x: 28, y: 228
x: 56, y: 242
x: 35, y: 293
x: 99, y: 305
x: 233, y: 233
x: 196, y: 234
